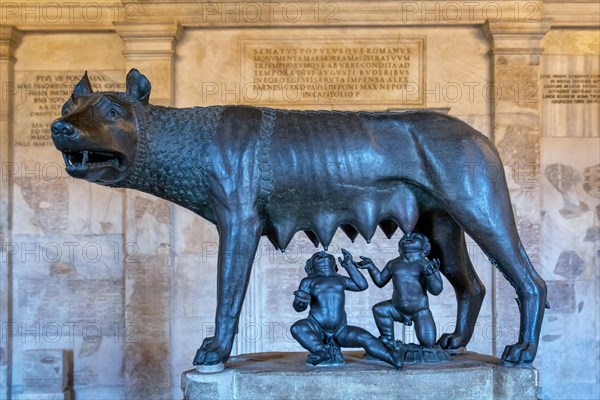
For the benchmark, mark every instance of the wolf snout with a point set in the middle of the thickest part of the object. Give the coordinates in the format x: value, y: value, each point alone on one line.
x: 62, y: 128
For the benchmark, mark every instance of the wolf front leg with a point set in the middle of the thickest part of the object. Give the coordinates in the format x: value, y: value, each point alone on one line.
x: 238, y: 239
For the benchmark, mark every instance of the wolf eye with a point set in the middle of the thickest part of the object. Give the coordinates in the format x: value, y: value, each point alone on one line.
x: 112, y: 114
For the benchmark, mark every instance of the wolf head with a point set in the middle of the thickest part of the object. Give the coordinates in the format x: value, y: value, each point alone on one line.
x: 97, y: 133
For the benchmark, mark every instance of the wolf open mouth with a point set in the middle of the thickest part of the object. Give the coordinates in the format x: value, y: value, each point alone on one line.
x: 83, y: 160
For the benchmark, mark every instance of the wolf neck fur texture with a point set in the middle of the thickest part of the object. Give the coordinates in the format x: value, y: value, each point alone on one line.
x: 173, y: 166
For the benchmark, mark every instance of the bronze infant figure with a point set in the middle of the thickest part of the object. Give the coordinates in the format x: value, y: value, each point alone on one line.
x: 412, y: 275
x: 326, y: 329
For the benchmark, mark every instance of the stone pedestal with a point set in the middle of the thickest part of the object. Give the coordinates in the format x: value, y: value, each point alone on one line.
x: 285, y: 375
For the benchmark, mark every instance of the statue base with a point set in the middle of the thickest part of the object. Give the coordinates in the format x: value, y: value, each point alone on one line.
x: 285, y: 375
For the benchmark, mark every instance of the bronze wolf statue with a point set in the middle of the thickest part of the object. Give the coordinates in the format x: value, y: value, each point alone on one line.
x: 264, y: 172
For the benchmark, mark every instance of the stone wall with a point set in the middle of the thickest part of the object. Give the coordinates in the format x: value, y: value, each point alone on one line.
x: 125, y: 283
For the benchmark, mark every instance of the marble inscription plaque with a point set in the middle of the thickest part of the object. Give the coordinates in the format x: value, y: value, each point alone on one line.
x: 334, y: 71
x: 45, y: 371
x: 571, y: 88
x: 570, y: 95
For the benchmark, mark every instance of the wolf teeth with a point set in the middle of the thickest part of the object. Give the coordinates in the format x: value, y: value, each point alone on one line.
x: 85, y: 159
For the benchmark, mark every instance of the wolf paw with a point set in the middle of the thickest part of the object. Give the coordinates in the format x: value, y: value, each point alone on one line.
x: 520, y: 353
x: 451, y: 341
x: 210, y: 353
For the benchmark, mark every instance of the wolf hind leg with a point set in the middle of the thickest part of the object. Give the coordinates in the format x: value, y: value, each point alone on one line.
x: 498, y: 238
x: 449, y: 245
x: 515, y: 266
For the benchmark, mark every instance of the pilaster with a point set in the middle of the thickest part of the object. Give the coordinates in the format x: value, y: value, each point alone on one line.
x: 148, y: 278
x: 10, y: 38
x: 516, y: 132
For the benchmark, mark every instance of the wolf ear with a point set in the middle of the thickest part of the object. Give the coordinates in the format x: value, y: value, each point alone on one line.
x: 83, y: 88
x: 138, y: 86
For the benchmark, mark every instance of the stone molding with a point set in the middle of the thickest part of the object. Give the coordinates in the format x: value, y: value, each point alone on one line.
x: 10, y: 37
x: 509, y: 38
x: 144, y: 41
x: 103, y: 15
x: 576, y: 14
x: 68, y: 16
